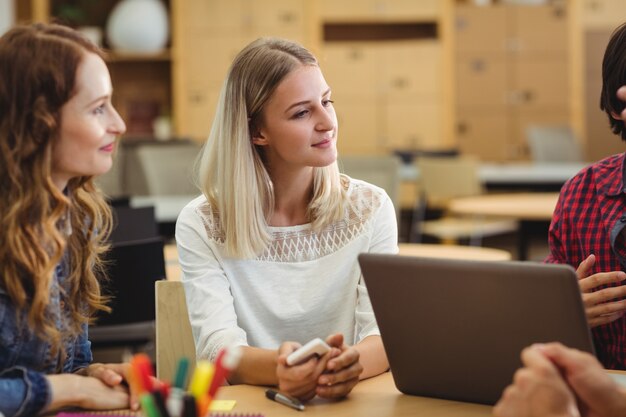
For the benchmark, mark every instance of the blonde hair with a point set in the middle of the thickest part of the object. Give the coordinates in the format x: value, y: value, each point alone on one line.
x: 232, y: 173
x: 38, y: 66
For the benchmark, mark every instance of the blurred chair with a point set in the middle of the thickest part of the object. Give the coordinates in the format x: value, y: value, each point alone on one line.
x: 112, y: 183
x: 383, y: 171
x: 162, y: 169
x: 553, y: 143
x: 133, y: 223
x: 132, y: 268
x: 174, y: 338
x: 441, y: 180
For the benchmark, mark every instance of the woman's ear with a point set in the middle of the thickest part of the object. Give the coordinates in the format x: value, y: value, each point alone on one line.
x: 616, y: 116
x: 259, y: 139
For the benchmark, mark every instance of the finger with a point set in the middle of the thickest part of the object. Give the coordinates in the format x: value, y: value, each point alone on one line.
x: 345, y: 359
x: 337, y: 390
x: 584, y: 268
x: 604, y: 296
x: 603, y: 278
x: 346, y: 374
x: 284, y: 350
x: 605, y: 307
x: 335, y: 340
x: 534, y: 359
x: 602, y: 320
x: 567, y: 359
x: 621, y: 93
x: 106, y: 375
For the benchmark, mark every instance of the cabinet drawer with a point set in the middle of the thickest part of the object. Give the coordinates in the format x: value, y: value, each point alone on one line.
x: 482, y: 81
x: 412, y: 67
x: 540, y: 82
x: 481, y: 29
x: 485, y: 134
x: 351, y: 68
x: 603, y: 14
x: 359, y: 131
x: 412, y: 123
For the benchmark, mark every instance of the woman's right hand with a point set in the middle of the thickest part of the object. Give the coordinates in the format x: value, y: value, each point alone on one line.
x: 599, y: 304
x: 86, y: 392
x: 299, y: 380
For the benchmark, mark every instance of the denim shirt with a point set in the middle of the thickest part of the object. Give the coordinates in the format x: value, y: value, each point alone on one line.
x: 25, y: 359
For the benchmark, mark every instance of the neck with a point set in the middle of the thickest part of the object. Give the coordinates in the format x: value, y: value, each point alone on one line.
x: 292, y: 195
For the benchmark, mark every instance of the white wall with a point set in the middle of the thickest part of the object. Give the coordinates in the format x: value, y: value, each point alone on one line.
x: 7, y: 15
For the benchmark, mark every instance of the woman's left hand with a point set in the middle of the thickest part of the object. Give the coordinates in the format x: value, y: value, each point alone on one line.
x: 112, y: 374
x: 342, y: 369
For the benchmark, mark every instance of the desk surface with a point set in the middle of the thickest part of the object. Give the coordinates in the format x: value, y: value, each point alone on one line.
x: 519, y: 206
x: 513, y: 173
x: 375, y: 397
x: 453, y: 252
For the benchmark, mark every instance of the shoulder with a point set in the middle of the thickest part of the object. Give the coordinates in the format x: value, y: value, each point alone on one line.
x: 604, y: 176
x: 364, y: 199
x: 200, y: 214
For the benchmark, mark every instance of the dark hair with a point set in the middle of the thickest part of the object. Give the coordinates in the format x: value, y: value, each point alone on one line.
x: 613, y: 77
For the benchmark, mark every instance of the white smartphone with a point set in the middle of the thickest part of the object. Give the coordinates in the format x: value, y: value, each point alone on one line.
x: 315, y: 347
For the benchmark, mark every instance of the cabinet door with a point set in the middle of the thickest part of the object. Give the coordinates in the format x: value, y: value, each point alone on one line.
x: 412, y: 122
x: 398, y: 10
x: 213, y: 16
x: 200, y: 104
x: 207, y: 58
x: 351, y: 68
x: 540, y: 82
x: 482, y: 81
x: 359, y: 131
x: 346, y: 10
x: 540, y: 29
x: 603, y: 14
x: 481, y: 30
x: 282, y: 18
x: 412, y: 67
x: 485, y: 134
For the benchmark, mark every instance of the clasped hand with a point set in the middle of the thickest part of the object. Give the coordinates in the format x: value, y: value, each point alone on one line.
x: 333, y: 375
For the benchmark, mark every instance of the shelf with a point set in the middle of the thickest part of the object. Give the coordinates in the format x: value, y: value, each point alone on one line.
x: 117, y: 56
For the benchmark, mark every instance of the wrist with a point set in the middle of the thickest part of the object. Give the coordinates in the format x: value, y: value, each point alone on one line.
x: 64, y: 390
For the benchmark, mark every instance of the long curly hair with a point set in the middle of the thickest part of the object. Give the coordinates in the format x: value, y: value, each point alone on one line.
x: 38, y: 66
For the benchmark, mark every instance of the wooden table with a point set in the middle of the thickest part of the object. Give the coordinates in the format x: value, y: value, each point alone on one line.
x: 527, y: 208
x: 453, y: 252
x: 375, y: 397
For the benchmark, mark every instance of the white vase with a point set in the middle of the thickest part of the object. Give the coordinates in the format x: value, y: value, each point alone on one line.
x: 138, y: 26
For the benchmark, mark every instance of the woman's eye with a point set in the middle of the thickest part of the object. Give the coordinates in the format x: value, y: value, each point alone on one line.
x: 99, y: 109
x: 327, y: 103
x: 300, y: 114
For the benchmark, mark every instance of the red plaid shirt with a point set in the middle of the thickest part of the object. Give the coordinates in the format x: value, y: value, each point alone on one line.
x: 589, y: 218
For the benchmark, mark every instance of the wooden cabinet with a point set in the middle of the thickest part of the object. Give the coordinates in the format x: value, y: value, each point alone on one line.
x: 512, y: 71
x: 387, y: 94
x: 214, y: 31
x: 384, y: 61
x: 603, y: 14
x: 142, y: 82
x: 379, y: 10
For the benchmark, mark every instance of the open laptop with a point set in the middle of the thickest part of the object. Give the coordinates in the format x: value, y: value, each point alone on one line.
x: 455, y: 329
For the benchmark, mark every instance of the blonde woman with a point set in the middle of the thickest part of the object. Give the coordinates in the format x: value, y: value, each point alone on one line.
x: 269, y: 252
x: 57, y: 130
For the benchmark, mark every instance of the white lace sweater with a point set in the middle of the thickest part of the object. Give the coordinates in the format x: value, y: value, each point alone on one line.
x: 305, y: 284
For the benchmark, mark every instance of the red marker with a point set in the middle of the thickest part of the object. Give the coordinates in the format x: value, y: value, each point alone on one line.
x: 227, y: 360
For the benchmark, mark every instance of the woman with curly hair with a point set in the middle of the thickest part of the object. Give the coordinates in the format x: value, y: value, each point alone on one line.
x: 58, y: 130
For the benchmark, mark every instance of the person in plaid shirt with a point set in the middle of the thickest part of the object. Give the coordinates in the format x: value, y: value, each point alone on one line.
x: 588, y: 226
